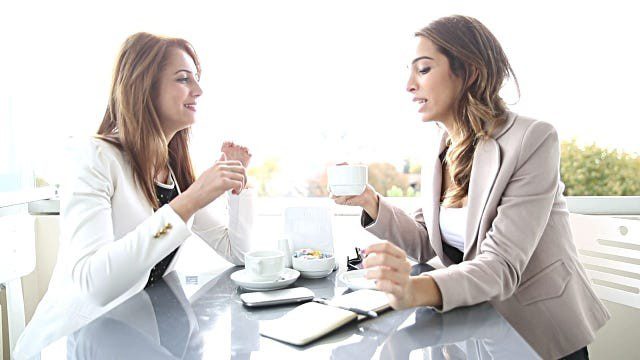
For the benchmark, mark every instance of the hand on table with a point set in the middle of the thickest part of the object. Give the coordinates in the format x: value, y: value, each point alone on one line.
x: 389, y: 267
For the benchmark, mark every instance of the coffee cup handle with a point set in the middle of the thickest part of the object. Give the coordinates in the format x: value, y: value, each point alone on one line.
x: 256, y: 267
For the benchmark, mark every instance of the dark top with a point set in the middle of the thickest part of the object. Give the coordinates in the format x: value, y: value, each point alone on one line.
x: 164, y: 195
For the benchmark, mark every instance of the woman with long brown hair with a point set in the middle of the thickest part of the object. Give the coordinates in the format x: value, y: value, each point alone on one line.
x: 492, y: 210
x: 131, y: 198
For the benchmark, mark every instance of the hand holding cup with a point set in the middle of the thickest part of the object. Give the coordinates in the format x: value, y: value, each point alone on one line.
x: 348, y: 186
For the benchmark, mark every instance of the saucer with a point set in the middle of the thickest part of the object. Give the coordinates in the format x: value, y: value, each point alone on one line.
x: 242, y: 279
x: 355, y: 280
x: 316, y: 274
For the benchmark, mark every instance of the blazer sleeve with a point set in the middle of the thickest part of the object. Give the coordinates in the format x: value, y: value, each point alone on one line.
x: 521, y: 219
x: 100, y: 265
x: 406, y: 231
x: 231, y: 237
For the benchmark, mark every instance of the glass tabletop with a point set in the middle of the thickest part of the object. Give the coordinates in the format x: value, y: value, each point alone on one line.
x: 162, y: 323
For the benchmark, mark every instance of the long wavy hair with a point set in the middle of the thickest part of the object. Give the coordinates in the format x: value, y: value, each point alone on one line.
x: 476, y: 57
x: 131, y: 121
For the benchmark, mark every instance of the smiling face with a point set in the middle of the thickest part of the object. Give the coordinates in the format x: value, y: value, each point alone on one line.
x: 432, y: 83
x: 177, y: 92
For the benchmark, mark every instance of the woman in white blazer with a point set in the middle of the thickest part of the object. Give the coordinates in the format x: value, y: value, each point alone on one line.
x: 131, y: 198
x: 493, y: 209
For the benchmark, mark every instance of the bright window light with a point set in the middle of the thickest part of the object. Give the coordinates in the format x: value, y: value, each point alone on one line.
x: 308, y: 83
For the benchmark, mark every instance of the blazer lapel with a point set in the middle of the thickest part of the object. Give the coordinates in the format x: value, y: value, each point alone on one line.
x: 486, y: 163
x: 432, y: 186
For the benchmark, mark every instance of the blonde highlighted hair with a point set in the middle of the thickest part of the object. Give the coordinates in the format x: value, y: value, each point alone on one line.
x: 476, y: 57
x: 131, y: 120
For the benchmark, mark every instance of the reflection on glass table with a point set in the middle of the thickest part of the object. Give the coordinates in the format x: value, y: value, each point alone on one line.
x: 476, y: 332
x: 157, y: 323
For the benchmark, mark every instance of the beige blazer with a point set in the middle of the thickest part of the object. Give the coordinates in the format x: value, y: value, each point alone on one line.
x: 519, y: 253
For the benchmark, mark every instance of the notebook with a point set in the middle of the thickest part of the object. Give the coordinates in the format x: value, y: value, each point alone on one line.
x: 312, y: 320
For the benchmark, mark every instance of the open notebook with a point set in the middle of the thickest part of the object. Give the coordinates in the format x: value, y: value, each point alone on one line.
x: 312, y: 320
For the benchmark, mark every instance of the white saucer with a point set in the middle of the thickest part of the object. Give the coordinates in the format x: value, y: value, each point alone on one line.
x: 288, y: 277
x: 315, y: 274
x: 355, y: 280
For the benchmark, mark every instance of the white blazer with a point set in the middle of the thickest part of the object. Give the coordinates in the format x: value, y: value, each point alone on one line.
x: 111, y: 238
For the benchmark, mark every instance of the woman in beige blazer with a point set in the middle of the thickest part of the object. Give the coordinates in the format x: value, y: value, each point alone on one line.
x: 493, y: 209
x: 130, y: 198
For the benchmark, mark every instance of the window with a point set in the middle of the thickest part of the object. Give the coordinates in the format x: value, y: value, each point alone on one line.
x: 15, y: 168
x: 308, y: 84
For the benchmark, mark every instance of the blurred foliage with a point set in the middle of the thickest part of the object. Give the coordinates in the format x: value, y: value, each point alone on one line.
x: 595, y: 171
x: 394, y: 192
x: 412, y: 166
x: 586, y: 171
x: 387, y: 180
x: 318, y: 186
x: 384, y: 177
x: 397, y: 192
x: 40, y: 182
x: 263, y: 175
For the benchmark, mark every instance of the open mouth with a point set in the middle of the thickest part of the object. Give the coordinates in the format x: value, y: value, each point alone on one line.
x: 191, y: 107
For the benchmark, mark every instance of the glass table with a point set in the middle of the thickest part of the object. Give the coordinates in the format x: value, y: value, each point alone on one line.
x: 162, y: 323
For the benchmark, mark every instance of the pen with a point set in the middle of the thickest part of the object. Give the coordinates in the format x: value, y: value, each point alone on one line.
x: 368, y: 313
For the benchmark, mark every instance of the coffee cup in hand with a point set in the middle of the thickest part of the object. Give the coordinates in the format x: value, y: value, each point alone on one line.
x: 264, y: 265
x: 347, y: 180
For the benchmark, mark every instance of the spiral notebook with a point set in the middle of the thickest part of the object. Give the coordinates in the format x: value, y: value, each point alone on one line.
x: 312, y: 320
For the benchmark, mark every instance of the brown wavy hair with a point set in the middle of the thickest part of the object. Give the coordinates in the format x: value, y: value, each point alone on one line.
x: 476, y: 57
x: 131, y: 121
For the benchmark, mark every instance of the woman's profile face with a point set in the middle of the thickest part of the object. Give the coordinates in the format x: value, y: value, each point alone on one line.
x: 433, y: 85
x: 178, y: 91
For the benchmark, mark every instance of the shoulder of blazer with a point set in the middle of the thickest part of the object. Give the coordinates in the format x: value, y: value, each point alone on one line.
x: 522, y: 128
x: 92, y: 150
x: 89, y: 157
x: 522, y: 136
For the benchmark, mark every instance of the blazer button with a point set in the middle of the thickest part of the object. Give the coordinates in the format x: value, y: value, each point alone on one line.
x: 168, y: 226
x: 157, y: 235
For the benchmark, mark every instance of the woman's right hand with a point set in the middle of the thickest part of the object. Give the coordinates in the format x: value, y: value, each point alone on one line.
x: 223, y: 176
x: 368, y: 200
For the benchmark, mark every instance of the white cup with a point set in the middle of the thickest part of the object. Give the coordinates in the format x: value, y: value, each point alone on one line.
x: 347, y: 180
x: 264, y: 265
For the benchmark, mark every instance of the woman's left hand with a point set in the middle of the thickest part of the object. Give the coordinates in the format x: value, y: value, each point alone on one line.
x: 236, y: 152
x: 239, y: 153
x: 389, y: 267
